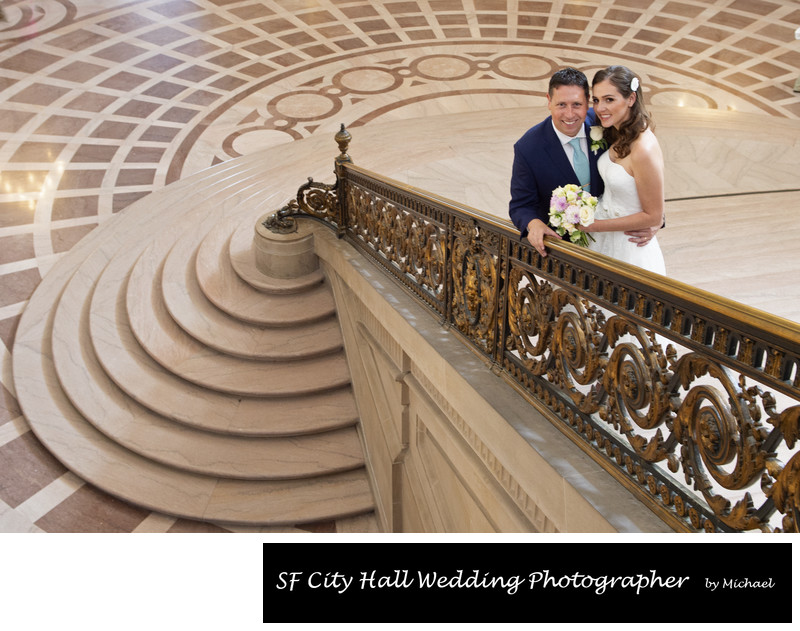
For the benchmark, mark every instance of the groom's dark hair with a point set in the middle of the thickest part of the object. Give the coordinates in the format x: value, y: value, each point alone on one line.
x: 569, y: 76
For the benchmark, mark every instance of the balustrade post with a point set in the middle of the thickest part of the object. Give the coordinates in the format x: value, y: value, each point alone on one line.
x: 343, y: 139
x: 449, y: 276
x: 501, y: 298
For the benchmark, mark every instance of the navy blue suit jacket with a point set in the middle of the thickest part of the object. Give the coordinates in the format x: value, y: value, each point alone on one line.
x: 540, y: 165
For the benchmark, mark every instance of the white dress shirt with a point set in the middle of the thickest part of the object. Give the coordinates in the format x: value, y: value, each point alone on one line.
x: 564, y: 139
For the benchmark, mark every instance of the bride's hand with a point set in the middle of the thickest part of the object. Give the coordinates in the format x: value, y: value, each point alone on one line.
x: 641, y: 237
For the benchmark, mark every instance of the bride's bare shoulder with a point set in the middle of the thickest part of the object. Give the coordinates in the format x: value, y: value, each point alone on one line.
x: 646, y: 147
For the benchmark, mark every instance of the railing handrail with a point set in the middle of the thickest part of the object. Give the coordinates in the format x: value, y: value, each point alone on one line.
x: 765, y: 322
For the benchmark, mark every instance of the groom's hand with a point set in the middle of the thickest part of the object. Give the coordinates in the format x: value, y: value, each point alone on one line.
x: 641, y: 237
x: 537, y: 231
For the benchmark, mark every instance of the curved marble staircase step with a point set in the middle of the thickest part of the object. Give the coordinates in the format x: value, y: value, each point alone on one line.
x: 127, y: 423
x: 195, y: 314
x: 146, y: 381
x: 230, y: 293
x: 151, y: 385
x: 181, y: 354
x: 151, y: 485
x: 144, y: 482
x: 243, y: 261
x: 201, y: 442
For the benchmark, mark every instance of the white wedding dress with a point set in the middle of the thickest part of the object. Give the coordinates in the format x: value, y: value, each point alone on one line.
x: 620, y: 199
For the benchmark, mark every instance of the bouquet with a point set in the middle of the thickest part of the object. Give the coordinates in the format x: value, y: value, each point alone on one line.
x: 571, y: 207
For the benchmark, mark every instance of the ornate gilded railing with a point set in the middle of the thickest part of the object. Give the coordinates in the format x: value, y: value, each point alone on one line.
x: 690, y: 400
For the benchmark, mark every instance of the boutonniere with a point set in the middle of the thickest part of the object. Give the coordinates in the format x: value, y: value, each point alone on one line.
x: 598, y: 142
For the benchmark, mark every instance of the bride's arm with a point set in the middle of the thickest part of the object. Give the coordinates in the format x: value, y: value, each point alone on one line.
x: 647, y: 164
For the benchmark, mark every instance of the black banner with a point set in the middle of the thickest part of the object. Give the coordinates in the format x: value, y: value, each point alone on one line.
x: 528, y: 582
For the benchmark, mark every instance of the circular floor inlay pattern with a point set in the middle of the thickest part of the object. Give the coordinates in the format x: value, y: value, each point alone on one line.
x: 367, y: 80
x: 31, y: 18
x: 304, y: 106
x: 443, y: 67
x: 411, y: 82
x: 524, y: 67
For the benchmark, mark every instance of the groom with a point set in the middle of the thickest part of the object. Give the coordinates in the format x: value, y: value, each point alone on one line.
x: 545, y: 158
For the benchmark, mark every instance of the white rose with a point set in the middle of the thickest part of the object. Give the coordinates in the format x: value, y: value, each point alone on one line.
x: 596, y: 132
x: 587, y: 215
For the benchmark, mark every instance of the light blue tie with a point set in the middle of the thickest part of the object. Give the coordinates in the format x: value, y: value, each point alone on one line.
x: 580, y: 163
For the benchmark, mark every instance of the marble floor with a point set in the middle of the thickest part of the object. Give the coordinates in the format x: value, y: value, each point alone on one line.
x: 105, y: 101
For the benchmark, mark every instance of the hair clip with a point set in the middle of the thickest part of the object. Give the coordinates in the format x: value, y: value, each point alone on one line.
x: 635, y: 84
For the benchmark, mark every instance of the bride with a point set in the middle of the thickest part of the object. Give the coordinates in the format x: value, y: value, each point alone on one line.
x: 632, y: 170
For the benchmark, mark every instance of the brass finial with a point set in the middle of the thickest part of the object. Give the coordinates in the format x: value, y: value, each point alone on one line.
x: 343, y: 139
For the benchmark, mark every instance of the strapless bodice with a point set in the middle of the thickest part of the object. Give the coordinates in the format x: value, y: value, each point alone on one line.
x: 620, y: 197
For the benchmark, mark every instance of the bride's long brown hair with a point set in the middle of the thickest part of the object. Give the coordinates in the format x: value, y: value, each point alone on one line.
x: 638, y: 120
